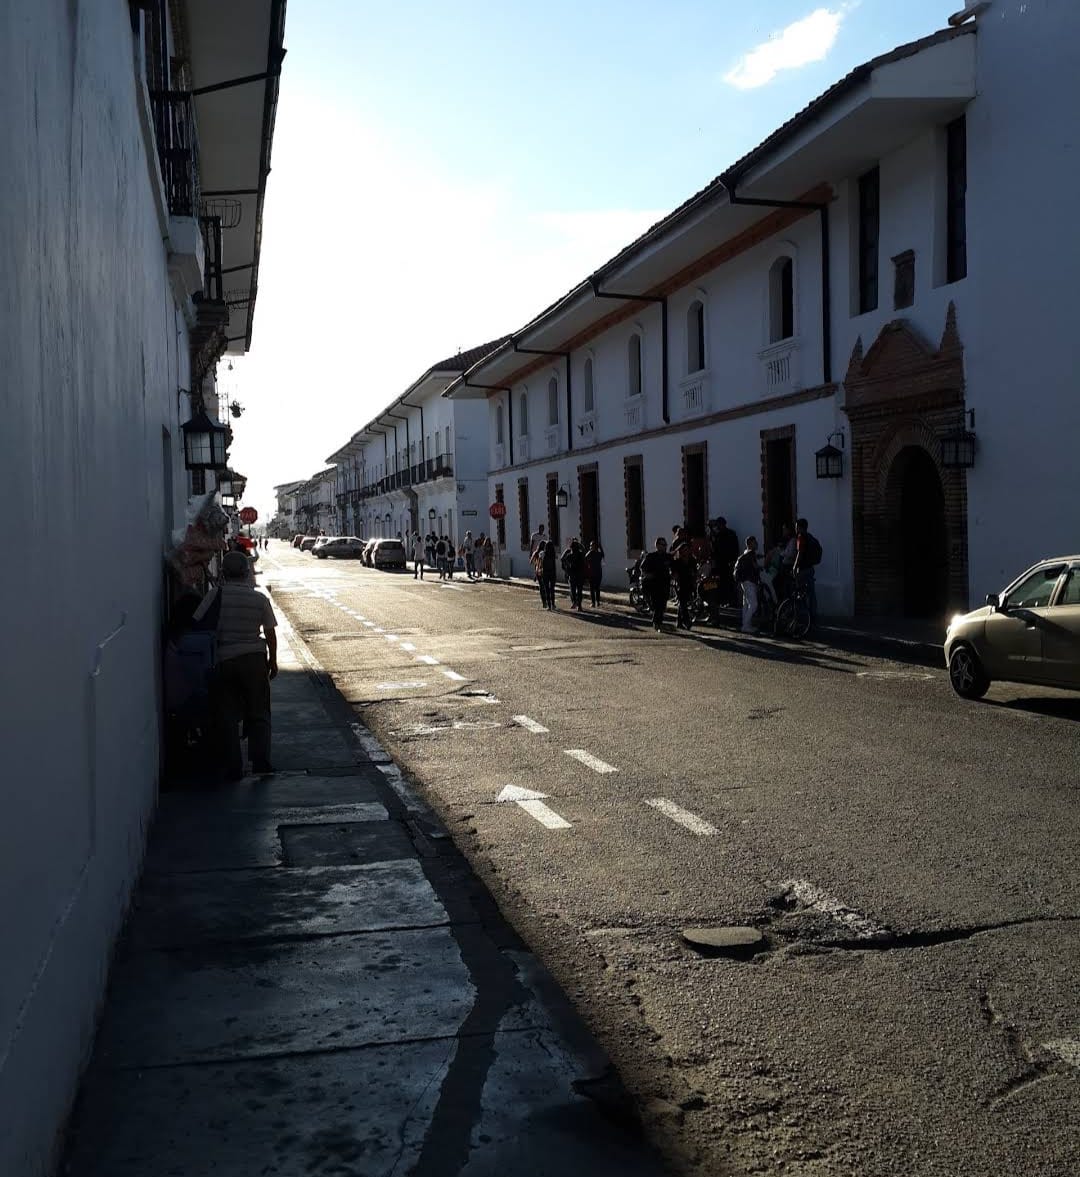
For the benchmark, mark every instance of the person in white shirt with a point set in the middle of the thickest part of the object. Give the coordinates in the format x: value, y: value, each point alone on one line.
x: 418, y: 553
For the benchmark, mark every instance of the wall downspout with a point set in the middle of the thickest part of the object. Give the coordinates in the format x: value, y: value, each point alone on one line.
x: 729, y: 183
x: 536, y: 351
x: 594, y: 282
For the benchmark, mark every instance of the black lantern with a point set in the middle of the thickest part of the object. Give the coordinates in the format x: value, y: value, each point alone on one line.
x: 239, y: 484
x: 204, y: 443
x: 958, y: 449
x: 829, y: 459
x: 225, y: 483
x: 431, y: 514
x: 562, y: 497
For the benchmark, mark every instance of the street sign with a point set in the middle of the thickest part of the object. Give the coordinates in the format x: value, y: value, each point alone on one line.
x: 497, y: 510
x: 469, y: 513
x: 248, y: 515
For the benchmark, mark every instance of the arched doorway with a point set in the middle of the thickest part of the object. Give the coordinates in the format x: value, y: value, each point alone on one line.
x: 919, y: 549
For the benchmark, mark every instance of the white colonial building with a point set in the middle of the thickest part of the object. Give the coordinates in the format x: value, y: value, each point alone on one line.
x: 420, y: 465
x: 132, y: 184
x: 883, y: 282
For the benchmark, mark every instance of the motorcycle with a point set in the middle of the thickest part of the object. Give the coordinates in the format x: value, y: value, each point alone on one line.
x: 639, y: 599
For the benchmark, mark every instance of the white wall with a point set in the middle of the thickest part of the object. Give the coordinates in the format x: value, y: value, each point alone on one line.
x: 93, y: 355
x: 1022, y: 355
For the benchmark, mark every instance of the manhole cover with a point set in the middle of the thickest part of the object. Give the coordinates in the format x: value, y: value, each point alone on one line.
x: 732, y: 941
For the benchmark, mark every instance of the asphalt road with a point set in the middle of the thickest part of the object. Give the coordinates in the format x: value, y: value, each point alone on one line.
x: 910, y: 859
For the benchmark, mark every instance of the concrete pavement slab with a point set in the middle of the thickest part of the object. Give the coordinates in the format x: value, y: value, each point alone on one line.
x: 313, y: 748
x: 241, y: 905
x: 344, y: 843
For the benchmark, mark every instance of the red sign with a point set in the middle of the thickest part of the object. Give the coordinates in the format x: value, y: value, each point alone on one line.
x: 497, y: 510
x: 248, y: 515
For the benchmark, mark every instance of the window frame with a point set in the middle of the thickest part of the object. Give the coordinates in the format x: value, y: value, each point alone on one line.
x: 695, y: 337
x: 869, y: 240
x: 634, y: 462
x: 588, y: 394
x: 523, y: 413
x: 635, y: 363
x: 956, y: 200
x: 781, y: 299
x: 553, y: 402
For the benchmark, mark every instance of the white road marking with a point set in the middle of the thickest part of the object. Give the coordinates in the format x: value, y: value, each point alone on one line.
x: 441, y: 729
x: 682, y: 816
x: 391, y: 637
x: 533, y: 804
x: 894, y: 674
x: 370, y: 624
x: 589, y: 760
x: 1067, y: 1049
x: 455, y: 587
x: 530, y: 724
x: 427, y: 659
x: 408, y: 646
x: 454, y: 676
x: 400, y: 686
x: 816, y: 899
x: 379, y: 629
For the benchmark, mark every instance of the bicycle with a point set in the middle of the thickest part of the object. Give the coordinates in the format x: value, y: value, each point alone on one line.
x: 793, y: 616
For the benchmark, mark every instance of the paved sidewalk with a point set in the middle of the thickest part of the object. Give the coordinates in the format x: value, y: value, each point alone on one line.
x: 312, y: 981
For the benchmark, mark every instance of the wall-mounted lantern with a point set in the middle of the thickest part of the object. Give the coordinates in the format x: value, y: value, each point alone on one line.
x: 829, y: 459
x: 958, y: 446
x: 562, y: 496
x: 204, y: 443
x: 431, y: 514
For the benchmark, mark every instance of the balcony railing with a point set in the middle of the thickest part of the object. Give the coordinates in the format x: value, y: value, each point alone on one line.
x: 694, y: 395
x: 178, y: 149
x: 633, y: 414
x: 781, y: 364
x: 551, y: 439
x: 522, y: 449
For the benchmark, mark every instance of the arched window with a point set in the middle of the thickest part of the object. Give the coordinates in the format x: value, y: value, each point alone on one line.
x: 499, y: 427
x: 633, y: 348
x: 523, y: 415
x: 781, y: 300
x: 553, y: 401
x: 695, y: 338
x: 587, y: 400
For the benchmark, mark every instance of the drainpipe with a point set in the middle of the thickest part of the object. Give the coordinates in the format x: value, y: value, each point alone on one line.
x: 509, y: 407
x: 535, y: 351
x: 594, y: 282
x: 729, y: 182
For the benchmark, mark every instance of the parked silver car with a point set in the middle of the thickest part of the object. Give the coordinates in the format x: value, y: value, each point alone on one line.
x: 388, y: 553
x: 1028, y: 633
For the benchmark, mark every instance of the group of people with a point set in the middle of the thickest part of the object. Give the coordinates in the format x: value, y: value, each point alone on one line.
x: 475, y: 556
x: 580, y: 566
x: 739, y: 576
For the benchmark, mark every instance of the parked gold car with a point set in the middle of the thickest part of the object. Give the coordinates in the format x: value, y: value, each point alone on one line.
x: 1030, y: 633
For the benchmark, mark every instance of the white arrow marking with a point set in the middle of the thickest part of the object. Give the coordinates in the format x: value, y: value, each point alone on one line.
x: 682, y: 816
x: 589, y: 760
x: 533, y: 804
x: 529, y: 724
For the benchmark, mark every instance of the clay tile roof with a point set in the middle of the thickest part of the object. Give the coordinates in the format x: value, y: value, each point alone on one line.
x: 465, y: 359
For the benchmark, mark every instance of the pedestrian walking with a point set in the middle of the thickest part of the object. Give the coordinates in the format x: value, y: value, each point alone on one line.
x: 246, y: 662
x: 451, y: 557
x: 429, y: 549
x: 536, y: 539
x: 418, y: 553
x: 747, y: 578
x: 686, y: 570
x: 656, y: 581
x: 548, y: 559
x: 573, y: 565
x: 478, y: 556
x: 489, y: 557
x: 594, y: 571
x: 440, y: 557
x: 468, y: 547
x: 725, y: 551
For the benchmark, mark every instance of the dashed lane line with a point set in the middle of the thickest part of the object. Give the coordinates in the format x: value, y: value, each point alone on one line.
x: 683, y: 817
x: 400, y: 686
x: 408, y: 646
x: 427, y: 659
x: 529, y: 724
x: 454, y: 676
x: 589, y: 760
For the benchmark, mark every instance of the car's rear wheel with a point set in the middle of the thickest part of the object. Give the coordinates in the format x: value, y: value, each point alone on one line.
x: 966, y: 674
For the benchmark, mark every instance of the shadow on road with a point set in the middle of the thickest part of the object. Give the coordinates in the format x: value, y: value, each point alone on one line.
x: 1054, y: 707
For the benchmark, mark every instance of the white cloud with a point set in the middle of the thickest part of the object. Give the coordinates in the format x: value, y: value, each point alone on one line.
x: 801, y: 43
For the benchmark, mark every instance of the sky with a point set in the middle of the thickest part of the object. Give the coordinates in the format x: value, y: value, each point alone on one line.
x: 443, y: 172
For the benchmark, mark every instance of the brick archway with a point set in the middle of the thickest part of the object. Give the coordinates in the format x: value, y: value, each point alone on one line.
x: 901, y: 397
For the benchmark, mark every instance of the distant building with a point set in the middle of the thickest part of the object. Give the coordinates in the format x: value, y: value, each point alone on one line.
x: 421, y: 465
x: 880, y: 291
x: 117, y: 235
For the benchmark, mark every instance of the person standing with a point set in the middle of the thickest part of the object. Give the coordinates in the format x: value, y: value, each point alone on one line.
x: 725, y: 551
x: 656, y: 581
x: 467, y: 547
x: 536, y: 539
x: 807, y: 558
x: 747, y: 577
x: 246, y: 662
x: 685, y: 585
x: 418, y: 552
x: 547, y: 564
x: 440, y: 557
x: 573, y: 564
x: 489, y: 557
x: 478, y: 556
x: 594, y: 571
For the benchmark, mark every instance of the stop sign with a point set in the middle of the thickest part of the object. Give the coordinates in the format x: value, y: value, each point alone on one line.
x: 248, y: 515
x: 497, y: 510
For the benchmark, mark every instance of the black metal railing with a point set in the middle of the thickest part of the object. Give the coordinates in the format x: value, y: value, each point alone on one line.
x: 440, y: 466
x: 178, y: 149
x: 213, y: 283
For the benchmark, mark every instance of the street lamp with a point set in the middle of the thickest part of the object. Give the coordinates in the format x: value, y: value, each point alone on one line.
x: 239, y: 485
x: 562, y: 496
x: 829, y: 459
x: 204, y: 443
x: 958, y: 446
x: 431, y: 514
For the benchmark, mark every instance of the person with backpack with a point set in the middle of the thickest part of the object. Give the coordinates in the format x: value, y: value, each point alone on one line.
x: 807, y: 558
x: 573, y: 565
